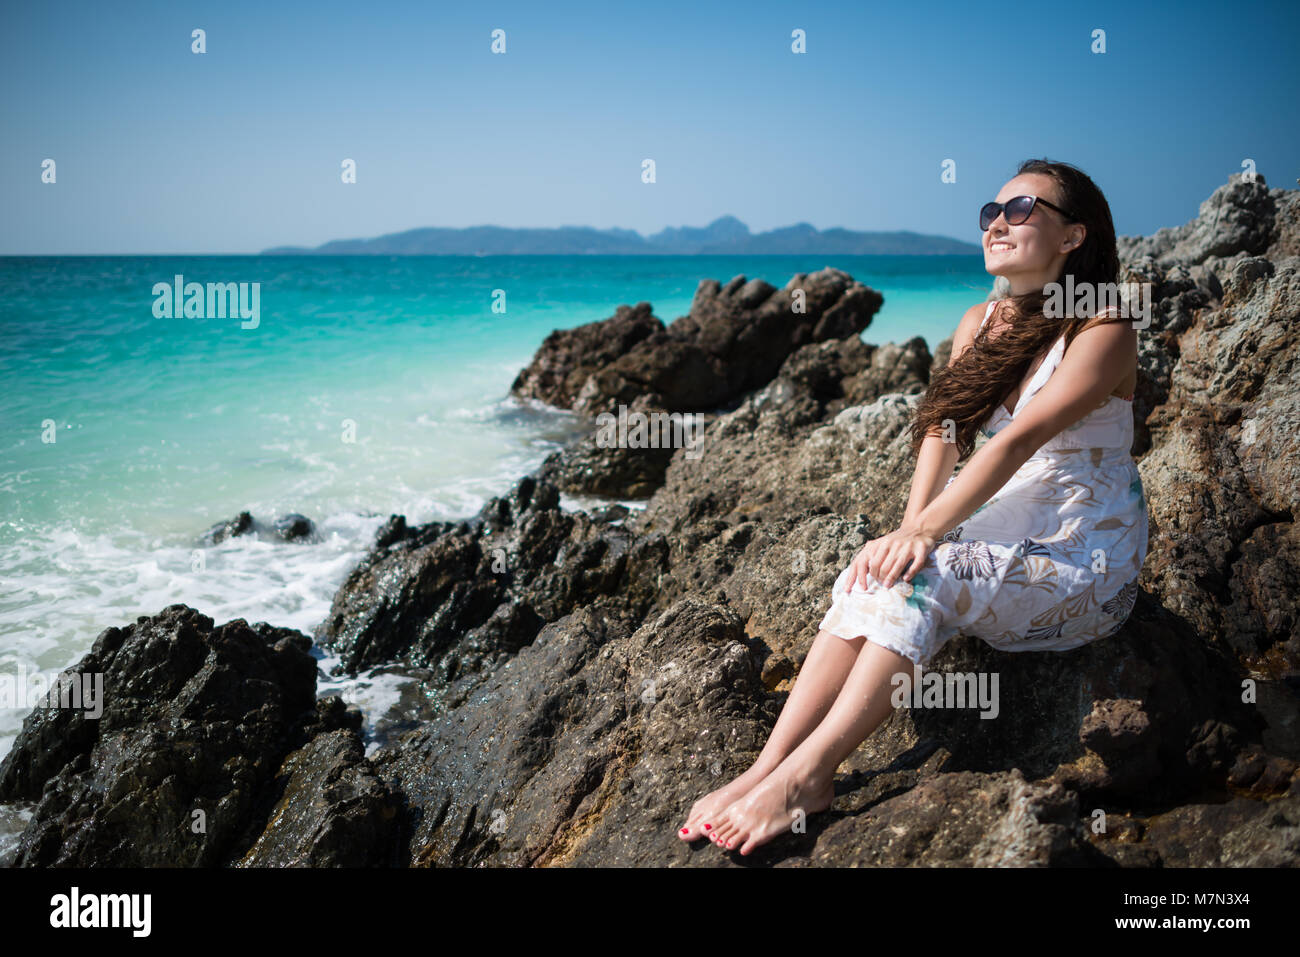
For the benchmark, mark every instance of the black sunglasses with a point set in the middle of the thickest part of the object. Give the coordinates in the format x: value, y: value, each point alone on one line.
x: 1017, y: 210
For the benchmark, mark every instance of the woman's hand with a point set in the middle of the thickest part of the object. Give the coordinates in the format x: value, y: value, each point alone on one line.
x: 887, y: 556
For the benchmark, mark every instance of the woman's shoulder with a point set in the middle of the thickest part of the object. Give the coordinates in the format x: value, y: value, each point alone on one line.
x: 968, y: 328
x: 977, y: 313
x: 1109, y: 314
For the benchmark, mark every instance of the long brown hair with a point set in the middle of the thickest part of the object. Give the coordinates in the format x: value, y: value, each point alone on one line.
x: 969, y: 391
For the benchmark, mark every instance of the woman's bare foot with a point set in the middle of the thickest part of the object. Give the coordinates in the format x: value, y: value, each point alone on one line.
x: 770, y: 808
x: 701, y: 819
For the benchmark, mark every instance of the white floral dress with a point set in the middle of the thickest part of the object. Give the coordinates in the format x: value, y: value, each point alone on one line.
x: 1048, y: 563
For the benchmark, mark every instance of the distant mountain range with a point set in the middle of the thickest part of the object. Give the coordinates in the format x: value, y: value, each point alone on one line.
x: 725, y: 236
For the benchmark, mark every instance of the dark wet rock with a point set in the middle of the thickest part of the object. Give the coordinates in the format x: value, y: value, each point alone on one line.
x: 295, y: 528
x: 241, y: 524
x: 181, y: 767
x: 461, y: 598
x: 396, y: 529
x: 332, y: 810
x: 610, y: 513
x: 288, y: 528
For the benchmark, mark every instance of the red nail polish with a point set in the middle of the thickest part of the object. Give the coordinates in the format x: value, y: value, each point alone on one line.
x: 708, y: 827
x: 685, y: 829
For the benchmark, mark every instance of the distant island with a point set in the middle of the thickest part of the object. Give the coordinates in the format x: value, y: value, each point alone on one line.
x: 725, y: 236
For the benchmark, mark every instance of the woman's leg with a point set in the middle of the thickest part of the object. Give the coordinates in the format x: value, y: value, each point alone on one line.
x: 815, y: 688
x: 804, y: 780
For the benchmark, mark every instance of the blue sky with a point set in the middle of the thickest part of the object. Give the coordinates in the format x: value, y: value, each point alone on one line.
x: 160, y: 150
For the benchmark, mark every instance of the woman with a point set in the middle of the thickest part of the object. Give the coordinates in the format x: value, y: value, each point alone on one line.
x: 1034, y: 545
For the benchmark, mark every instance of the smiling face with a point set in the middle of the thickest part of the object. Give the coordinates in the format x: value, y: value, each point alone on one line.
x: 1031, y: 254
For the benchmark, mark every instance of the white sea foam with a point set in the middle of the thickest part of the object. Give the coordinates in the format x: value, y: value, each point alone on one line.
x: 63, y: 585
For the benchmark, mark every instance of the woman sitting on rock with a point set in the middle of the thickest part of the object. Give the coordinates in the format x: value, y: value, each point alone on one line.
x: 1035, y: 545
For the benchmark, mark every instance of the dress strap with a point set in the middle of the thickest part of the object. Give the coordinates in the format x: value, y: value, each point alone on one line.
x: 1042, y: 373
x: 988, y: 312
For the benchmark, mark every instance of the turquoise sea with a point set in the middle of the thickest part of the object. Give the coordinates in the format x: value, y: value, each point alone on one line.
x: 370, y: 386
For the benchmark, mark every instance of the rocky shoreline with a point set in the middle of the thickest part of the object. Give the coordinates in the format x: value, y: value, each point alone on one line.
x: 588, y: 674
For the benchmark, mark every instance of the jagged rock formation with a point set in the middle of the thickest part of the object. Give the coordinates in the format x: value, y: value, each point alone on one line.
x: 207, y: 734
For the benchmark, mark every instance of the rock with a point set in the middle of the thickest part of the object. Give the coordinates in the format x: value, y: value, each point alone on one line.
x: 1239, y: 833
x: 1270, y: 837
x: 610, y: 513
x: 462, y: 598
x: 612, y: 473
x: 1276, y: 703
x: 1261, y: 774
x: 595, y: 467
x: 734, y: 339
x: 962, y: 819
x: 540, y: 768
x: 180, y: 767
x: 332, y: 810
x: 1223, y: 474
x: 568, y: 357
x: 288, y: 528
x: 241, y: 524
x: 1121, y: 734
x: 393, y: 530
x: 1239, y: 216
x: 295, y: 528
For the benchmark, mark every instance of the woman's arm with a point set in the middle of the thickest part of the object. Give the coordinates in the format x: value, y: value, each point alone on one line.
x: 934, y: 463
x: 937, y: 458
